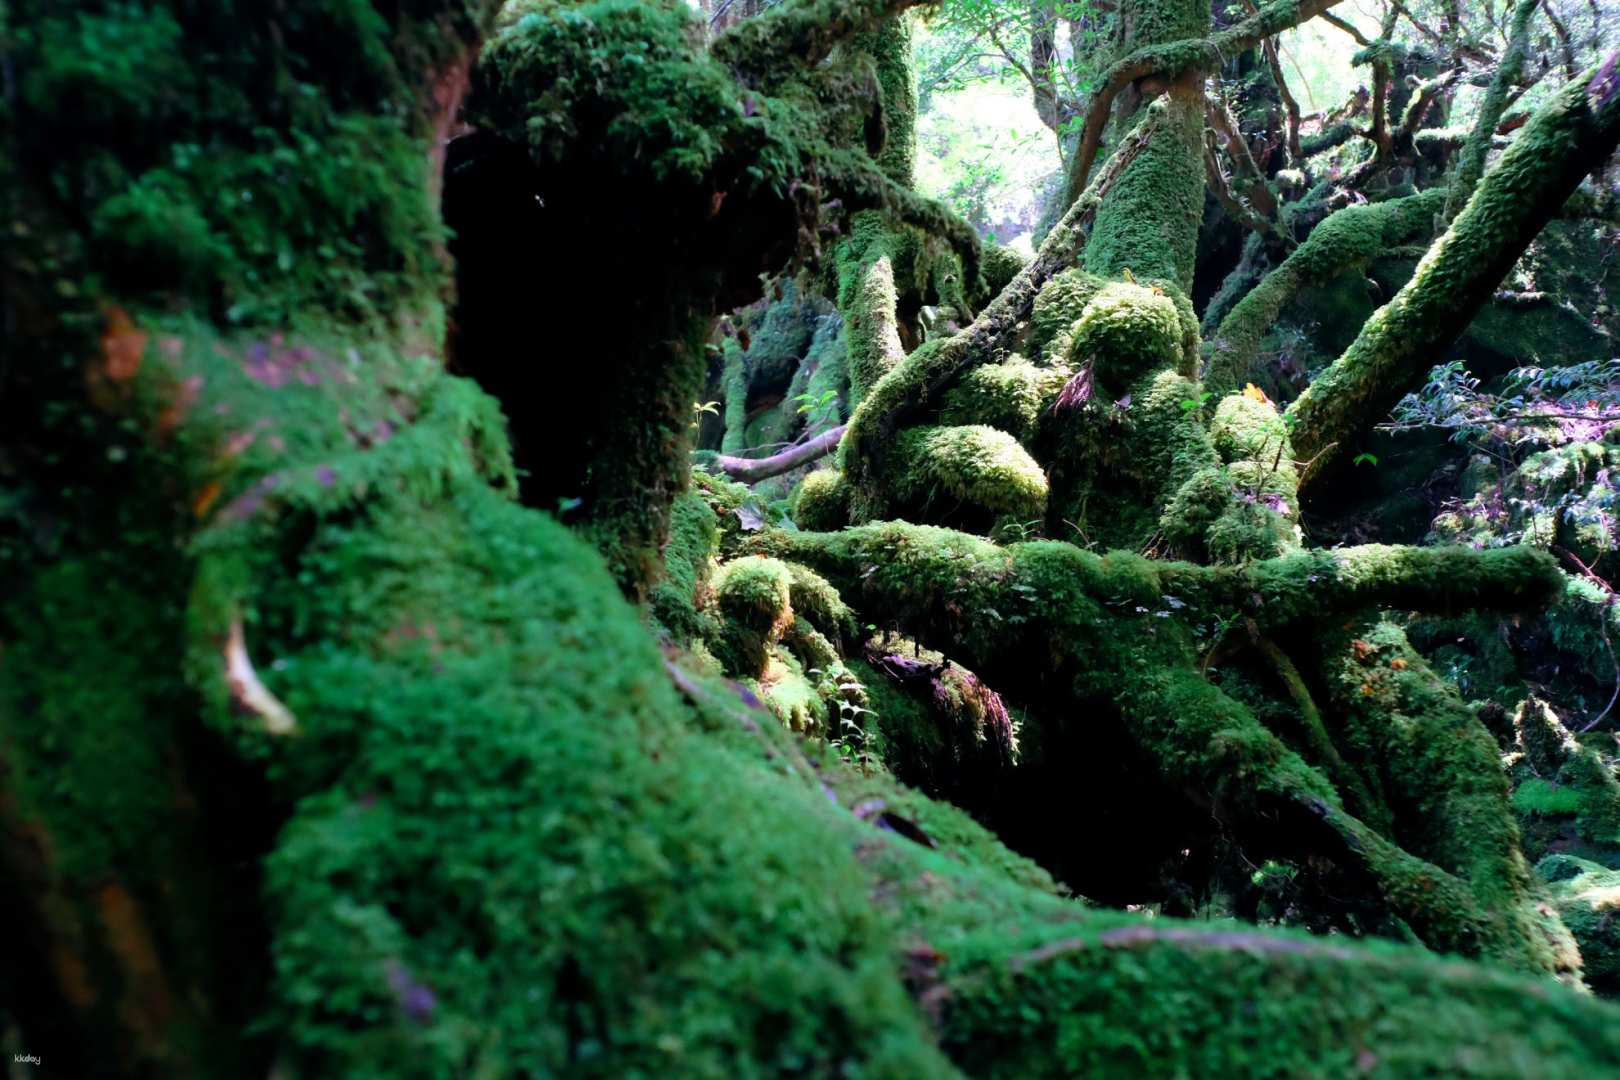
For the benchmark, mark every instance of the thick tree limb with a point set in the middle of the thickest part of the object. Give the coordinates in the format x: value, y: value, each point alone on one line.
x: 753, y: 470
x: 1173, y: 59
x: 1569, y: 137
x: 851, y: 179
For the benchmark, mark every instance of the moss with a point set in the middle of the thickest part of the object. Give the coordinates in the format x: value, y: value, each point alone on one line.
x: 1573, y: 478
x: 1537, y: 796
x: 978, y: 466
x: 1059, y: 303
x: 1158, y: 22
x: 734, y: 381
x: 1510, y: 70
x: 1129, y: 455
x: 86, y: 707
x: 500, y: 843
x: 790, y: 694
x: 890, y: 48
x: 1412, y: 732
x: 821, y: 502
x: 1000, y: 264
x: 874, y: 340
x: 1102, y: 629
x: 688, y: 557
x: 1568, y: 778
x: 827, y: 362
x: 1128, y: 330
x: 1459, y: 273
x: 728, y: 151
x: 753, y: 598
x: 1008, y: 396
x: 1111, y: 998
x: 1246, y: 508
x: 269, y: 185
x: 815, y: 600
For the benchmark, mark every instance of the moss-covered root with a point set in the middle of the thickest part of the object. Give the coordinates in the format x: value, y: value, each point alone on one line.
x: 1587, y: 897
x: 1117, y: 627
x: 1568, y: 137
x: 1203, y: 740
x: 1348, y: 239
x: 874, y: 336
x: 1440, y: 770
x: 1111, y: 998
x: 921, y: 574
x: 1556, y: 757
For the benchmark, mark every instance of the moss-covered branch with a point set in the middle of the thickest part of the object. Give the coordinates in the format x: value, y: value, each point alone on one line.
x: 1509, y: 71
x: 1568, y: 137
x: 1346, y: 240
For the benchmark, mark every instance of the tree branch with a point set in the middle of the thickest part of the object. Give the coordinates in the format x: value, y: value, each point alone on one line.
x: 1173, y: 59
x: 796, y: 35
x: 753, y: 470
x: 1346, y: 240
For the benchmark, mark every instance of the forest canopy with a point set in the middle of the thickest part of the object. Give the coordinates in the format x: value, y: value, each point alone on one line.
x: 810, y: 537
